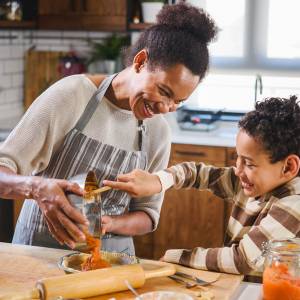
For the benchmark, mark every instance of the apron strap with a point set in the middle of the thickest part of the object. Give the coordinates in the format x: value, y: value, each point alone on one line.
x: 93, y: 103
x: 92, y: 106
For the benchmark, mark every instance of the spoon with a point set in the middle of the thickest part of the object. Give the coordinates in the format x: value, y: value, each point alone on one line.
x: 131, y: 288
x: 187, y: 284
x: 198, y: 280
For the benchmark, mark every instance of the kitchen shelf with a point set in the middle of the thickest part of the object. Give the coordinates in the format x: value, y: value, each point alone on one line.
x: 4, y: 24
x: 139, y: 26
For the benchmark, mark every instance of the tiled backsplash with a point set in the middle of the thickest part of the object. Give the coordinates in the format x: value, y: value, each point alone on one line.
x: 13, y: 45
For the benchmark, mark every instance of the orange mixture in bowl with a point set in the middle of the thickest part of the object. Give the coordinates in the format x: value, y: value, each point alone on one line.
x: 95, y: 261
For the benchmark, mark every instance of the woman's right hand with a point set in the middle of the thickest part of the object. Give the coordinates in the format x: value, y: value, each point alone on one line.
x: 62, y: 218
x: 137, y: 183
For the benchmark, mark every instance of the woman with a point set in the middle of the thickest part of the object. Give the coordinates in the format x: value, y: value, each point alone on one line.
x: 111, y: 125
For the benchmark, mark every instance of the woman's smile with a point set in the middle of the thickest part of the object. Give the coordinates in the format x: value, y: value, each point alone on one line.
x: 148, y: 110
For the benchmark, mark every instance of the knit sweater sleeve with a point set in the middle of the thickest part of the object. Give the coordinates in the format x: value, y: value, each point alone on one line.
x: 281, y: 222
x: 29, y: 147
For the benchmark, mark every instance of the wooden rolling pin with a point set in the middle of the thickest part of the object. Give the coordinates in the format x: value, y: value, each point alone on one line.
x: 92, y: 283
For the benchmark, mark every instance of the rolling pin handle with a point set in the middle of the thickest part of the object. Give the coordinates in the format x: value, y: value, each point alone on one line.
x: 33, y: 294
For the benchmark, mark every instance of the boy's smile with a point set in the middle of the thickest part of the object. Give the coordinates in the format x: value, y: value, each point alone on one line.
x: 253, y: 166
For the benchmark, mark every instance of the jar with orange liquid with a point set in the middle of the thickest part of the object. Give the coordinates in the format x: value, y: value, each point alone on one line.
x: 281, y: 277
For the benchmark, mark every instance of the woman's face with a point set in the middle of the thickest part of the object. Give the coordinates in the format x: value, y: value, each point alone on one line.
x: 160, y: 91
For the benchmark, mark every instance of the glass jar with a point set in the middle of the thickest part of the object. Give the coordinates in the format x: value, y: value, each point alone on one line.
x: 14, y: 10
x: 90, y: 207
x: 281, y: 277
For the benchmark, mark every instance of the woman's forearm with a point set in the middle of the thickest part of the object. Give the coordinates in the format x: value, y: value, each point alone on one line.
x: 13, y: 186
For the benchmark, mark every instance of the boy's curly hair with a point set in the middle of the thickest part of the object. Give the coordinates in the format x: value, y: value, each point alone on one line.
x: 275, y: 123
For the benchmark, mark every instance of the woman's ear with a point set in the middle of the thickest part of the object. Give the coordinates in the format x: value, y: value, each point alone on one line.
x: 291, y: 166
x: 140, y: 60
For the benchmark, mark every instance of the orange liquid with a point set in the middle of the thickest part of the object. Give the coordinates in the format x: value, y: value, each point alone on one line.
x: 94, y: 261
x: 278, y: 284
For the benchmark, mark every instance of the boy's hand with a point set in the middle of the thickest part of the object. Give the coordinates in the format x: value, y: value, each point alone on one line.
x: 137, y: 183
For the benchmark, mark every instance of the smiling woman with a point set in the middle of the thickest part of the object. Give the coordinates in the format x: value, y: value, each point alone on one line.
x: 110, y: 125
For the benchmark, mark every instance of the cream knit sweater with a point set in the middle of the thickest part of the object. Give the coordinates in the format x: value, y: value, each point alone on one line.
x: 54, y: 113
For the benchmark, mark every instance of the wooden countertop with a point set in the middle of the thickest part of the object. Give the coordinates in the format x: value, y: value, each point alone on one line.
x: 22, y: 266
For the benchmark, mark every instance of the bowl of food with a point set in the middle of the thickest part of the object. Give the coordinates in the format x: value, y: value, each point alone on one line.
x: 77, y: 262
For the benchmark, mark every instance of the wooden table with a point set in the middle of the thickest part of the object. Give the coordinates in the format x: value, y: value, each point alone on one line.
x: 21, y: 266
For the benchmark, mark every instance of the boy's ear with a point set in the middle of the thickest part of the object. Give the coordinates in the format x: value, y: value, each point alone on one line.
x: 140, y: 59
x: 291, y: 166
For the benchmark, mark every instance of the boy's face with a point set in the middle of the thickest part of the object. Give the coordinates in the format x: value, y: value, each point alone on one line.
x: 257, y: 174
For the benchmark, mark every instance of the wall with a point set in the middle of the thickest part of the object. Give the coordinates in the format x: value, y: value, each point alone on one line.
x: 13, y: 45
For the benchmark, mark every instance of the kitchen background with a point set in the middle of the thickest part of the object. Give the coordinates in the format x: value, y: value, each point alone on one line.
x: 257, y: 54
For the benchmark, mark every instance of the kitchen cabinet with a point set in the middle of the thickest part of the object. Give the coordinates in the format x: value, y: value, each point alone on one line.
x: 100, y: 15
x: 189, y: 218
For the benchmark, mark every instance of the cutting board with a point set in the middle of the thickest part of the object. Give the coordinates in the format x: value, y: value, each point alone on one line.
x: 22, y: 266
x: 41, y: 70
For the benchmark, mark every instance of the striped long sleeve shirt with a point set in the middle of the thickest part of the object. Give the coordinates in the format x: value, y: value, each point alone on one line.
x: 253, y: 221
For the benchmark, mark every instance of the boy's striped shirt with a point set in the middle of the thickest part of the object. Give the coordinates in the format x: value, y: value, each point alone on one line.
x: 253, y: 221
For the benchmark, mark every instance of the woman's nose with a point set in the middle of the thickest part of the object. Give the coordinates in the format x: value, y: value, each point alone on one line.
x: 164, y: 107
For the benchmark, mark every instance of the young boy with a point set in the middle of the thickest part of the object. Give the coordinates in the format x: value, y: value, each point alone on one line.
x: 264, y: 187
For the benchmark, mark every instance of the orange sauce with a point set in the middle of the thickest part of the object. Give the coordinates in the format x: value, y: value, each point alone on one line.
x: 279, y: 284
x: 94, y: 261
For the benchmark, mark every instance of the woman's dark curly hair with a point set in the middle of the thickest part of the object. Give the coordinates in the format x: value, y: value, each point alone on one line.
x: 275, y: 123
x: 180, y: 35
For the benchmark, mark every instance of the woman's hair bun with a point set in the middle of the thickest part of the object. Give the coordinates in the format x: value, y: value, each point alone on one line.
x: 183, y: 16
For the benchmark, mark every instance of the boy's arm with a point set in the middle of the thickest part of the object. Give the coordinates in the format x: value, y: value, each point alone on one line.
x: 221, y: 181
x: 281, y: 222
x: 138, y: 183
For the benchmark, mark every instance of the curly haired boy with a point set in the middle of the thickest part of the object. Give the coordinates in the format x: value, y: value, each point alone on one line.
x: 264, y: 188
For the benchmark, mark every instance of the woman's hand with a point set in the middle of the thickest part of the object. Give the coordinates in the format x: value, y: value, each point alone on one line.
x: 137, y: 183
x: 62, y: 218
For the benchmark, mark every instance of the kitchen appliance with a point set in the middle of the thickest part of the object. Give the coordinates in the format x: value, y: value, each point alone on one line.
x: 201, y: 119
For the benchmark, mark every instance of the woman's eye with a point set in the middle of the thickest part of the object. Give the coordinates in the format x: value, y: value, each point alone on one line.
x: 250, y: 166
x: 179, y: 102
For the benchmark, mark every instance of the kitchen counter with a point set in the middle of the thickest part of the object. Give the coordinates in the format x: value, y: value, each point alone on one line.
x: 223, y: 136
x: 22, y: 266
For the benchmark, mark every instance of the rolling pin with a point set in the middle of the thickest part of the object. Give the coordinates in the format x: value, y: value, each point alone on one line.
x: 92, y: 283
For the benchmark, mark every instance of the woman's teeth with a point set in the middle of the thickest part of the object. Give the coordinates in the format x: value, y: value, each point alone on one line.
x: 246, y: 185
x: 149, y: 109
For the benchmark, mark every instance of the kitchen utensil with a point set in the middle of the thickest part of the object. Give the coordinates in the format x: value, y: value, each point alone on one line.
x: 97, y: 191
x: 90, y: 205
x: 131, y: 288
x: 93, y: 283
x: 197, y: 280
x: 71, y: 263
x: 187, y: 284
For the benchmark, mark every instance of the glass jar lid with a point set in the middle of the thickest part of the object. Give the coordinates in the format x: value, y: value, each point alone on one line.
x: 286, y: 247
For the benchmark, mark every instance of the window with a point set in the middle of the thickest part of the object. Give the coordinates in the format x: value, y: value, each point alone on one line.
x: 260, y: 34
x: 255, y: 37
x: 283, y: 41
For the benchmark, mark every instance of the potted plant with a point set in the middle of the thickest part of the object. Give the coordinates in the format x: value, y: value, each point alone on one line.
x: 108, y: 51
x: 150, y: 9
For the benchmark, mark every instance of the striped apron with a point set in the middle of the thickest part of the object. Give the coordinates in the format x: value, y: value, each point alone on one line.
x: 78, y: 154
